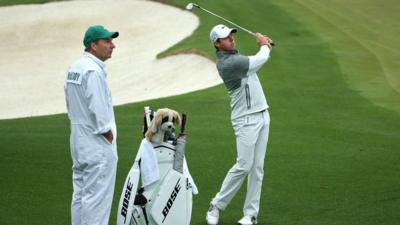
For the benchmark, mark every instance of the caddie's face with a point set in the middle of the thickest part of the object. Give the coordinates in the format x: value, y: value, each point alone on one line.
x: 103, y: 48
x: 226, y: 44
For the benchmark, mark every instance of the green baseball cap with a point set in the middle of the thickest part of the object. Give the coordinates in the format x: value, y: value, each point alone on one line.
x: 97, y: 32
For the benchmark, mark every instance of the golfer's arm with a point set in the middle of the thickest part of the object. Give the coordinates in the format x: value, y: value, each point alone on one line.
x: 257, y: 60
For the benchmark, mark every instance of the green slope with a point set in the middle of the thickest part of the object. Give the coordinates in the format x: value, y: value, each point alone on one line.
x: 17, y: 2
x: 332, y: 157
x: 363, y: 34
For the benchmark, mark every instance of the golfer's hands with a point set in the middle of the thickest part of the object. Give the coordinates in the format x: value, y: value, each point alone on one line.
x: 263, y: 40
x: 109, y: 136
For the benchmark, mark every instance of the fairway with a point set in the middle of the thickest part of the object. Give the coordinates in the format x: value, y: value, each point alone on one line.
x: 332, y: 84
x: 363, y: 35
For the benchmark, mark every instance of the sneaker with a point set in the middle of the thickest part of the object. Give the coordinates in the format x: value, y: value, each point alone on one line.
x: 248, y: 220
x: 212, y: 215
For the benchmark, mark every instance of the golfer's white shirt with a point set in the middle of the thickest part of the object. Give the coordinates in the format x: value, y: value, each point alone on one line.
x: 239, y: 75
x: 88, y: 96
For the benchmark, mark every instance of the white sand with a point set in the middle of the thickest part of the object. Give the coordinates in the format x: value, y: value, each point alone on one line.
x: 38, y: 42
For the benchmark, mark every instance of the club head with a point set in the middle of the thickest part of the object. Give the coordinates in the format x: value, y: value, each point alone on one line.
x: 189, y: 6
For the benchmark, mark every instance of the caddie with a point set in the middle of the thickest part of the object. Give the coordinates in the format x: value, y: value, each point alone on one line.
x: 250, y: 121
x: 93, y: 130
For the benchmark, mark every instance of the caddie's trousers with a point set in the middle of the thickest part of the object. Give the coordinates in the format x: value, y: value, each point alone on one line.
x: 251, y: 142
x: 94, y: 170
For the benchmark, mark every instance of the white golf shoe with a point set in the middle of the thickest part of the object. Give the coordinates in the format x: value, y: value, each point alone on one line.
x: 247, y: 220
x: 212, y: 215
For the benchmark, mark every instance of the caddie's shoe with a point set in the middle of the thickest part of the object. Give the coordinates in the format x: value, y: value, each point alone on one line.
x: 212, y: 215
x: 248, y: 220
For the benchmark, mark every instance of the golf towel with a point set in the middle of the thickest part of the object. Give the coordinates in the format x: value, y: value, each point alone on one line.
x: 149, y: 164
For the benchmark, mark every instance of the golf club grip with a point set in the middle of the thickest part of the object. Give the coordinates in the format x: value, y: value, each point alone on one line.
x: 252, y: 33
x: 183, y: 126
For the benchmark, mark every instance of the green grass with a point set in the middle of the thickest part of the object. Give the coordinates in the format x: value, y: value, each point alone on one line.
x: 363, y: 35
x: 333, y: 153
x: 20, y: 2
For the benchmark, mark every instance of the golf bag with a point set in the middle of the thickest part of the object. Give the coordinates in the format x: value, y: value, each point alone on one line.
x: 167, y: 201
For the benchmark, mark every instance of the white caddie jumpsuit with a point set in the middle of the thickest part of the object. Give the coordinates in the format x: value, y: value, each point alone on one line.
x: 91, y: 113
x: 250, y: 121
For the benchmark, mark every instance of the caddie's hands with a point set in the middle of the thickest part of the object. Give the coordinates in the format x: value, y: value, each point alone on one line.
x: 263, y: 40
x: 109, y: 136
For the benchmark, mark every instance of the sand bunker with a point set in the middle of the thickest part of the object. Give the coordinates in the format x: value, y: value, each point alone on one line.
x: 38, y: 42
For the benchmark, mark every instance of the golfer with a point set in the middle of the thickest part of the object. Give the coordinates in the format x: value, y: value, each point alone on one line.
x: 93, y: 130
x: 250, y: 121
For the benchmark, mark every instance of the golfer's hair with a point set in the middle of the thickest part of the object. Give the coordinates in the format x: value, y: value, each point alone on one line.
x: 216, y: 46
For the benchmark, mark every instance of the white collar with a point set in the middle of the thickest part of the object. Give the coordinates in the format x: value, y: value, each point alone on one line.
x: 95, y: 59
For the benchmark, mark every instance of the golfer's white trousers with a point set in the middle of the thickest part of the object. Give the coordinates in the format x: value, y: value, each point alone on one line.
x: 251, y: 141
x: 94, y: 170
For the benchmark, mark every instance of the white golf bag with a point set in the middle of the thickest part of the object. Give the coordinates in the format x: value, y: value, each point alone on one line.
x: 167, y: 201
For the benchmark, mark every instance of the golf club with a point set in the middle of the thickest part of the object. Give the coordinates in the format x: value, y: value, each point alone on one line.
x: 191, y: 5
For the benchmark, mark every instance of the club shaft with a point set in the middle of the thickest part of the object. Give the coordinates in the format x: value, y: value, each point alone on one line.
x: 222, y: 18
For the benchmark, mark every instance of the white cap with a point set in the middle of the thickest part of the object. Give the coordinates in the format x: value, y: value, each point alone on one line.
x: 221, y: 31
